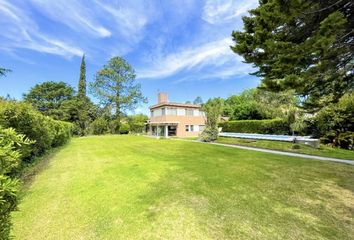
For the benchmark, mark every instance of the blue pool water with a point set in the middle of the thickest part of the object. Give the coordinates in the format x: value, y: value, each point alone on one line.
x: 260, y: 136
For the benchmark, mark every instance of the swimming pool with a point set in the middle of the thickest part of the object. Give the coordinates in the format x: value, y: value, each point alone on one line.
x: 285, y: 138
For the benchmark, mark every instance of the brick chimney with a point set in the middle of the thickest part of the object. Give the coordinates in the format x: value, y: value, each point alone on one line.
x: 162, y: 97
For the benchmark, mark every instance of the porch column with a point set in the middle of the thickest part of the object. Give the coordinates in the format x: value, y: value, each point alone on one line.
x: 166, y: 131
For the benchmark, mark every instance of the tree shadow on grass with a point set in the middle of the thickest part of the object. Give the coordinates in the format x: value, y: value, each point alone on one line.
x: 30, y: 172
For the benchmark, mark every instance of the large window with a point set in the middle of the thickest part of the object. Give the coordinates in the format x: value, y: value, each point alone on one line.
x: 189, y: 112
x: 172, y: 111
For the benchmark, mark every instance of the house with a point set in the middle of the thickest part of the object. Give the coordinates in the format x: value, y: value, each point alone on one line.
x: 175, y: 119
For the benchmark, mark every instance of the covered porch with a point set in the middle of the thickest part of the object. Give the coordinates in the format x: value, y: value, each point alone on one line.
x: 163, y: 129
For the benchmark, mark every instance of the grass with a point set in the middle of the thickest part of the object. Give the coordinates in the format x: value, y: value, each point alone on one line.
x: 131, y: 187
x: 323, y: 151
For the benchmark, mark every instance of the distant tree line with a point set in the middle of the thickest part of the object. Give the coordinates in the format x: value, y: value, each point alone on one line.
x: 114, y: 85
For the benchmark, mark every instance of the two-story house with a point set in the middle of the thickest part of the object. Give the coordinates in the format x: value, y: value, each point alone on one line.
x: 175, y: 119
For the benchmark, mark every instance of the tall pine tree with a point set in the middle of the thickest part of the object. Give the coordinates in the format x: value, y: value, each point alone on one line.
x: 304, y: 45
x: 82, y: 82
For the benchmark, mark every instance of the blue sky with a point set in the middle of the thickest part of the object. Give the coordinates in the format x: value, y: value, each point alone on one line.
x: 177, y: 46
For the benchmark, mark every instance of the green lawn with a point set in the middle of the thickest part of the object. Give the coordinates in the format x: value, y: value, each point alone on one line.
x: 131, y: 187
x: 323, y: 151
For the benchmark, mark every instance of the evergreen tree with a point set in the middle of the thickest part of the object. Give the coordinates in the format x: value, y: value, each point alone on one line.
x: 213, y: 109
x: 115, y: 86
x: 82, y: 82
x: 198, y: 100
x: 48, y: 98
x: 3, y: 71
x: 303, y: 45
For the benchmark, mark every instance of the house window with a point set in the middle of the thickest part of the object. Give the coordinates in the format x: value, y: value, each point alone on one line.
x: 163, y: 111
x: 189, y: 112
x: 201, y: 128
x: 191, y: 128
x: 172, y: 111
x: 152, y: 113
x: 187, y: 128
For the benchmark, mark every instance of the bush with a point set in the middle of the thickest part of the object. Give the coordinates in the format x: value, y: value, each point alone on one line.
x: 295, y: 146
x: 209, y: 134
x: 99, y: 126
x: 8, y: 202
x: 137, y: 123
x: 345, y: 140
x: 272, y: 126
x: 11, y: 146
x: 124, y: 128
x: 46, y: 132
x: 334, y: 124
x: 61, y: 130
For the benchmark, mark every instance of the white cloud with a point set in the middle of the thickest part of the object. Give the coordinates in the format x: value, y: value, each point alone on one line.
x: 128, y: 19
x: 21, y: 32
x: 77, y: 15
x: 219, y: 11
x: 217, y: 56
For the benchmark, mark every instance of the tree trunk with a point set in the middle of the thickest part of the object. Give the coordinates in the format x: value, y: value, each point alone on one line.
x: 118, y: 114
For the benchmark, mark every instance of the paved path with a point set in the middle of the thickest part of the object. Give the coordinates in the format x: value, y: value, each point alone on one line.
x: 350, y: 162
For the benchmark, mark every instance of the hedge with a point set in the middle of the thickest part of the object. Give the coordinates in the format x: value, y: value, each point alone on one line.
x: 45, y: 131
x: 271, y: 126
x: 11, y: 147
x: 24, y: 133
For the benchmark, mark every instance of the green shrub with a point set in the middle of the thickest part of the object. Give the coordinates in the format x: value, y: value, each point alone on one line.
x: 99, y: 126
x: 11, y: 146
x: 62, y: 131
x: 271, y: 126
x: 137, y: 123
x: 8, y: 202
x: 124, y: 128
x: 46, y: 132
x: 209, y: 134
x: 295, y: 146
x: 345, y: 140
x: 334, y: 124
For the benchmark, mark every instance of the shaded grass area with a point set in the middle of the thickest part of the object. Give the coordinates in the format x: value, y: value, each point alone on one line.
x: 324, y: 151
x: 130, y: 187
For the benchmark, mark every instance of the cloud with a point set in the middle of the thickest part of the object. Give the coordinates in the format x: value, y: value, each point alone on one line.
x: 20, y: 31
x: 130, y: 19
x: 77, y: 15
x: 220, y: 11
x: 215, y: 56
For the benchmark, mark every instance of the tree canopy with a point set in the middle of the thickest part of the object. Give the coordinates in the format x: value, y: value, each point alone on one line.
x: 303, y: 45
x: 198, y: 100
x: 256, y: 104
x: 115, y: 86
x: 3, y: 71
x: 48, y: 97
